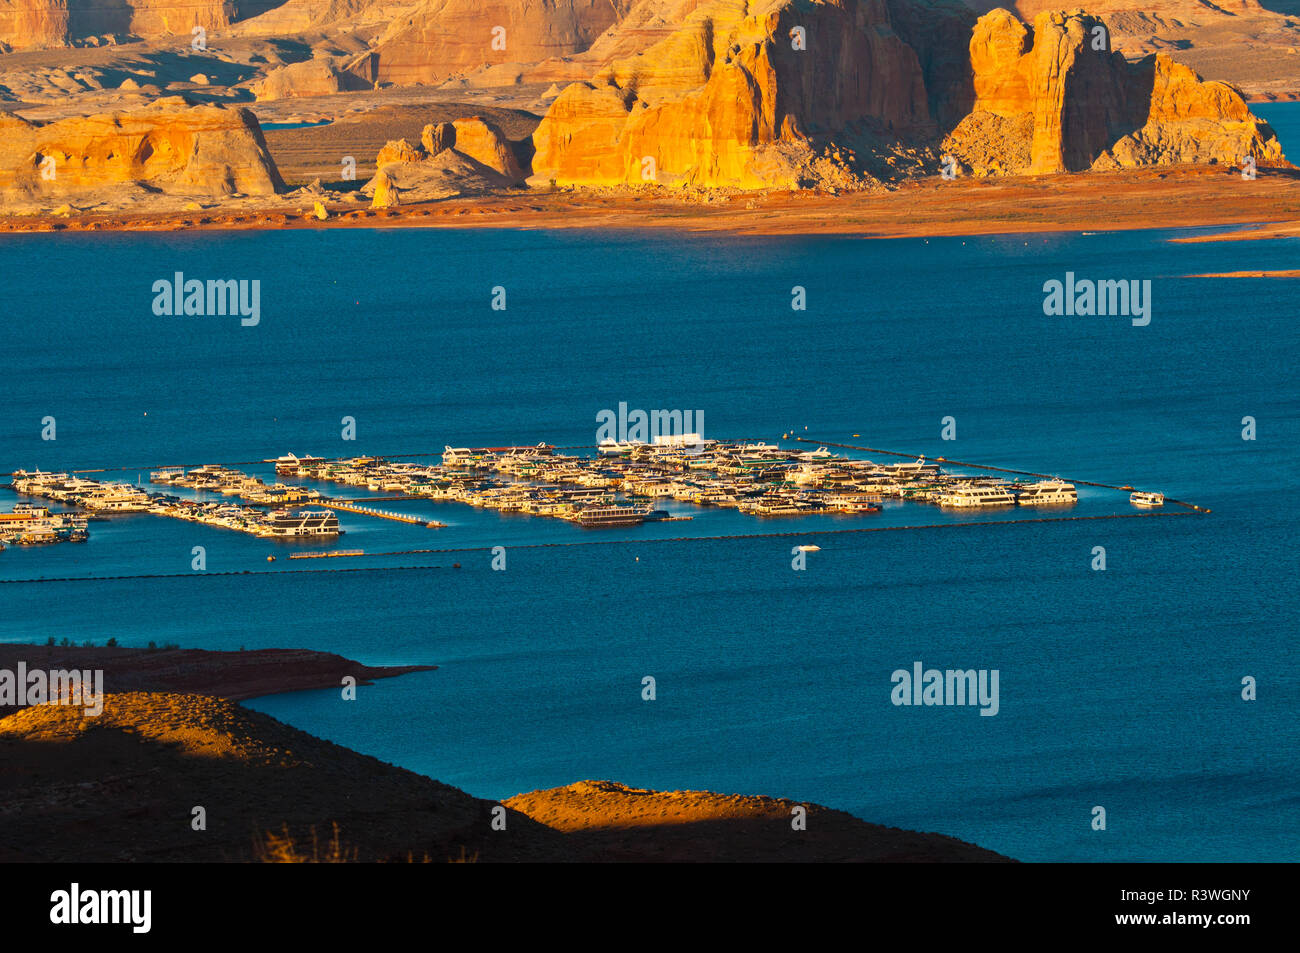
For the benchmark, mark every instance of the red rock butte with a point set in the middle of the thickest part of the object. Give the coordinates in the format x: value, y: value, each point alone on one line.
x: 778, y: 93
x: 835, y: 95
x: 169, y: 145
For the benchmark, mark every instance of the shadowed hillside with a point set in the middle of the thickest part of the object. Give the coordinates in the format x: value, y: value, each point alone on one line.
x: 123, y: 787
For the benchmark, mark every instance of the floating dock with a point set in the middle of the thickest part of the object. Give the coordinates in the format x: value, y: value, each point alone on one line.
x: 377, y: 514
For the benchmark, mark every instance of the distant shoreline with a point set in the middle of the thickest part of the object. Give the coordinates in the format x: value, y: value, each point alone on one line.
x: 234, y: 675
x: 1173, y: 197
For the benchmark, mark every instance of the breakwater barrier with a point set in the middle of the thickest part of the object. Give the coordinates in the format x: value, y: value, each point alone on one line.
x: 331, y: 504
x: 805, y: 534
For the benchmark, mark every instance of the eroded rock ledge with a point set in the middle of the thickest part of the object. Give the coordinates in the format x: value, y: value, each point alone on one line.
x: 168, y: 146
x: 778, y: 93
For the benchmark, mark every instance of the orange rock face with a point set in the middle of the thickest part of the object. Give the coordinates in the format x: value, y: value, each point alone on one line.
x: 486, y: 143
x: 202, y: 150
x: 732, y: 97
x: 29, y: 24
x: 1082, y: 105
x: 437, y: 137
x: 466, y: 157
x: 314, y: 77
x: 1189, y: 120
x: 755, y: 93
x: 440, y: 38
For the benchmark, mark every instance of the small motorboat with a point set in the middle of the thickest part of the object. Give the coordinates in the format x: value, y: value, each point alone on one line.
x: 1141, y: 498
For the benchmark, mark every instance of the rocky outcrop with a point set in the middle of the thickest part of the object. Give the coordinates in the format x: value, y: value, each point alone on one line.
x: 778, y: 93
x: 286, y: 796
x: 440, y: 38
x: 465, y: 157
x: 743, y: 94
x: 399, y: 150
x: 1190, y: 120
x: 30, y: 24
x: 438, y: 136
x: 315, y: 77
x: 1056, y: 98
x: 482, y: 141
x: 168, y: 146
x: 384, y: 192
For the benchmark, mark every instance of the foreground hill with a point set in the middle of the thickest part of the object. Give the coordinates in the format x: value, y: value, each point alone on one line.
x: 123, y: 787
x: 616, y: 822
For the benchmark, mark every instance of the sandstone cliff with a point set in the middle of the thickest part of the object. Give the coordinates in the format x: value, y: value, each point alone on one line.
x: 28, y: 24
x: 439, y: 38
x: 1057, y: 98
x: 830, y: 93
x: 742, y: 94
x: 168, y: 146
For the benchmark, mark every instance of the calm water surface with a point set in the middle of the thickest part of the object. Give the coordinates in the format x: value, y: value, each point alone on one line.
x: 1118, y: 688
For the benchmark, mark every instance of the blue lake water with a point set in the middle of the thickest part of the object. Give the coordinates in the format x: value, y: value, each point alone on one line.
x: 1285, y: 120
x: 1119, y: 689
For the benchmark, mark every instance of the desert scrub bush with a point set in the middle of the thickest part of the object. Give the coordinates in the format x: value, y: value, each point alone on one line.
x: 283, y: 849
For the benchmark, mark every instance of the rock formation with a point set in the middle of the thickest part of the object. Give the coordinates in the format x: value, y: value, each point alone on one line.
x: 385, y: 193
x: 1190, y: 120
x: 439, y: 38
x: 736, y: 96
x: 168, y: 146
x: 1056, y: 98
x: 782, y: 93
x: 453, y: 158
x: 480, y: 140
x: 399, y: 150
x: 31, y: 24
x: 315, y: 77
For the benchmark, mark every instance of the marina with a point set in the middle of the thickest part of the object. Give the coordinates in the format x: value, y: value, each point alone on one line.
x: 120, y: 498
x: 619, y: 485
x: 31, y: 525
x: 762, y: 665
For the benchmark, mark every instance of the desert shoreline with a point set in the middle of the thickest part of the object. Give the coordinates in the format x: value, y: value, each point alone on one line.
x: 234, y: 675
x: 1179, y: 197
